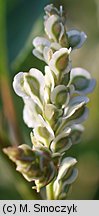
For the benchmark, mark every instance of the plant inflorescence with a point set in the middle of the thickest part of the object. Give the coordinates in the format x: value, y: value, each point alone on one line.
x: 54, y: 107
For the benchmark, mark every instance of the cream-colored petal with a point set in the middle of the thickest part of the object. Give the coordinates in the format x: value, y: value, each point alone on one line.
x: 18, y: 85
x: 81, y: 79
x: 60, y: 62
x: 31, y: 113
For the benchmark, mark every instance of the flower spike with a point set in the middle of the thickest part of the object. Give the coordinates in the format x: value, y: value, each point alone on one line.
x: 55, y: 105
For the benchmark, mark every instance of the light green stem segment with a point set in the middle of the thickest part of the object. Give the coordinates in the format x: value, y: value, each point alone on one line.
x: 49, y: 191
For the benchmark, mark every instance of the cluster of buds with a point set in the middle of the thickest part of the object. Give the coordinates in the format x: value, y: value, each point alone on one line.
x: 54, y: 107
x: 38, y: 166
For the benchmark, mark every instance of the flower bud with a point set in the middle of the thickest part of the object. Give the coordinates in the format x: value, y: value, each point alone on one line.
x: 55, y: 25
x: 50, y: 10
x: 34, y: 165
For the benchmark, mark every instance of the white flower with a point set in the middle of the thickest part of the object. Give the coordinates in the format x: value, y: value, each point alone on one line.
x: 76, y: 38
x: 40, y: 44
x: 18, y: 85
x: 81, y: 79
x: 30, y: 85
x: 64, y: 179
x: 60, y: 62
x: 50, y: 28
x: 74, y: 113
x: 62, y: 142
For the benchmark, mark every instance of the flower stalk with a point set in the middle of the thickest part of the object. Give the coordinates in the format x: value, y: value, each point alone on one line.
x: 54, y: 107
x: 49, y: 191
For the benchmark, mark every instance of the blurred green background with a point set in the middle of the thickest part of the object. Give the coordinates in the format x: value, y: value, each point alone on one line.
x: 20, y: 22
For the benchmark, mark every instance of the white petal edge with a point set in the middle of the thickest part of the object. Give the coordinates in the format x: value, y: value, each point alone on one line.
x: 56, y: 56
x: 37, y: 54
x: 17, y: 85
x: 49, y: 79
x: 30, y: 115
x: 65, y: 165
x: 64, y: 134
x: 49, y: 24
x: 82, y: 35
x: 80, y: 71
x: 41, y: 41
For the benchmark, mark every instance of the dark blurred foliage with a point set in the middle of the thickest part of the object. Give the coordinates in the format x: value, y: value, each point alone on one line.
x: 20, y: 22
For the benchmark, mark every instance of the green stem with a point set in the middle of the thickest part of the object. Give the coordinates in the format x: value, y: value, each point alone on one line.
x: 49, y: 191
